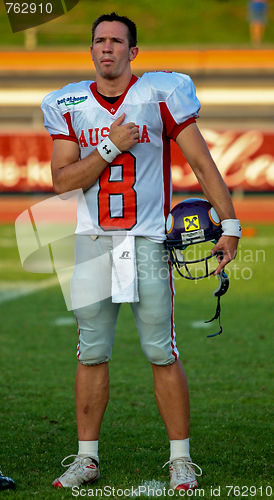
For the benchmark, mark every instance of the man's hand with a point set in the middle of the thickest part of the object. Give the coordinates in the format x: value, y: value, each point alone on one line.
x: 123, y: 136
x: 226, y: 250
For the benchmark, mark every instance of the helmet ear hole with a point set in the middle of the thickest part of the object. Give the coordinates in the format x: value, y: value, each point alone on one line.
x: 214, y: 217
x: 169, y: 223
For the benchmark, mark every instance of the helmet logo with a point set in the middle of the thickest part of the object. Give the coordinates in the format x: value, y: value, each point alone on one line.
x: 191, y: 223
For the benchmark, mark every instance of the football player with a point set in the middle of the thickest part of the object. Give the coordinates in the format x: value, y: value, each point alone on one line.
x: 112, y: 140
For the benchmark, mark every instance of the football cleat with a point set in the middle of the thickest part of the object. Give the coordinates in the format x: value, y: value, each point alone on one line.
x: 81, y: 470
x: 6, y: 483
x: 182, y: 474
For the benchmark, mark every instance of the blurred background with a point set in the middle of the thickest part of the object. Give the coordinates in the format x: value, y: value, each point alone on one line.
x: 219, y: 43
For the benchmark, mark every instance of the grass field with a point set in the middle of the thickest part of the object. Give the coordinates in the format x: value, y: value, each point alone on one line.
x: 229, y: 378
x: 159, y: 23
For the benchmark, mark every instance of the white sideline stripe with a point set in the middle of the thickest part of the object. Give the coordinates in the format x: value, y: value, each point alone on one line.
x: 199, y: 324
x: 207, y: 95
x: 12, y: 291
x: 64, y: 321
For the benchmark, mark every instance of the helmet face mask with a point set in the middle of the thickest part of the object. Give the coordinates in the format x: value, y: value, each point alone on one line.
x: 192, y: 228
x: 194, y: 262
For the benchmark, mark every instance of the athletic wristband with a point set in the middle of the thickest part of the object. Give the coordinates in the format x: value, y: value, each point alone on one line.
x: 108, y: 150
x: 231, y: 227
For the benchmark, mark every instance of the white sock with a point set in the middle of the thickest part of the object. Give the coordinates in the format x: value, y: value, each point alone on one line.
x: 88, y: 448
x: 179, y: 448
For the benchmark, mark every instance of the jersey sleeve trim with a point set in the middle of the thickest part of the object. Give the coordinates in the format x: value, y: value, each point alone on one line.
x: 172, y: 128
x: 59, y: 125
x: 64, y: 137
x: 72, y: 134
x: 179, y: 128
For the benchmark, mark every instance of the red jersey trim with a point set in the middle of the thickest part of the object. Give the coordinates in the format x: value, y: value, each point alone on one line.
x: 71, y: 136
x: 172, y: 128
x: 64, y: 137
x: 112, y: 108
x: 166, y: 164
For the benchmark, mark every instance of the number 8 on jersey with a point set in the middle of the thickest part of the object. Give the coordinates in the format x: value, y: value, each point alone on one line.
x: 117, y: 199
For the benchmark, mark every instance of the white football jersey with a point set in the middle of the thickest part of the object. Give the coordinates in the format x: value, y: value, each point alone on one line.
x: 133, y: 193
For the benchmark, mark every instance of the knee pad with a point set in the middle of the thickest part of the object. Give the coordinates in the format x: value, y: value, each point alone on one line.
x: 93, y: 354
x: 96, y: 324
x: 157, y: 355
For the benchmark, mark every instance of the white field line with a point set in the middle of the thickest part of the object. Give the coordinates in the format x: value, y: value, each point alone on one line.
x: 12, y: 291
x: 199, y: 324
x: 64, y: 321
x: 207, y: 95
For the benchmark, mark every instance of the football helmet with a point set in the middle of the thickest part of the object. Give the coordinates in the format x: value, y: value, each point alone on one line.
x: 191, y: 222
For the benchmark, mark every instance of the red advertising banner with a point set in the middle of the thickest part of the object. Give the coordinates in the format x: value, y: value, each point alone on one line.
x: 244, y: 158
x: 25, y: 162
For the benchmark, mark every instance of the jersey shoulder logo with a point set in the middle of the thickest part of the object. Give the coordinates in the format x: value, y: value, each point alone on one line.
x: 72, y: 101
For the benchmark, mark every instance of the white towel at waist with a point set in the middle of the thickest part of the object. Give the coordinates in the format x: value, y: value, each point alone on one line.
x: 124, y: 286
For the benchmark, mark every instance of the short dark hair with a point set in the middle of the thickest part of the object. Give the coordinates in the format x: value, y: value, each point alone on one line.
x: 132, y: 31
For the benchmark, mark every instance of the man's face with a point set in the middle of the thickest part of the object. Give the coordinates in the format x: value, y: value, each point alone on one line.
x: 110, y: 50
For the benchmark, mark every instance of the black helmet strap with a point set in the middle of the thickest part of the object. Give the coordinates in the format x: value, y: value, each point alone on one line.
x: 221, y: 290
x: 216, y: 316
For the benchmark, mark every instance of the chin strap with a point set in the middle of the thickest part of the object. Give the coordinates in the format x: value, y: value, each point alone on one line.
x: 221, y: 290
x: 216, y: 316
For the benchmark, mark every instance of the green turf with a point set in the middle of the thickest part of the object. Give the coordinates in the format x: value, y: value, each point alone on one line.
x: 229, y: 379
x: 161, y: 23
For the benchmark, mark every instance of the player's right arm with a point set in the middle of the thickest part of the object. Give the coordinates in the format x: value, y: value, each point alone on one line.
x: 69, y: 172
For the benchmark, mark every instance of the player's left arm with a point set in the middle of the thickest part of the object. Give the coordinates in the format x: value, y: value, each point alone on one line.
x: 195, y: 150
